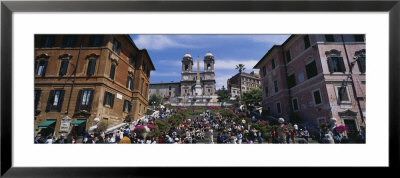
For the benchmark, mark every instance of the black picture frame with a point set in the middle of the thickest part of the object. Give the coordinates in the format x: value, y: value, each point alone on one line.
x: 8, y: 7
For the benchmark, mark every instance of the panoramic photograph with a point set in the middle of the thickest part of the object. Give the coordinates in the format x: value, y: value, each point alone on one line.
x: 200, y: 89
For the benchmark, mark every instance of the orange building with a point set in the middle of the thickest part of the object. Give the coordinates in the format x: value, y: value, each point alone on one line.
x: 86, y: 77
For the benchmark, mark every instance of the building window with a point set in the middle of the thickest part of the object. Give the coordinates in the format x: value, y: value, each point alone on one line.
x: 288, y: 58
x: 40, y: 67
x: 127, y: 106
x: 63, y: 67
x: 112, y: 71
x: 108, y: 99
x: 291, y: 81
x: 209, y: 90
x: 311, y: 69
x: 264, y: 71
x: 208, y: 66
x: 317, y: 97
x: 276, y: 85
x: 56, y: 98
x: 169, y: 93
x: 361, y: 64
x: 342, y: 94
x: 140, y: 107
x: 91, y: 67
x: 273, y: 64
x: 95, y: 40
x: 132, y: 60
x: 329, y: 38
x: 169, y: 87
x: 116, y: 46
x: 84, y: 101
x: 336, y: 64
x: 47, y: 41
x: 359, y: 38
x: 129, y: 83
x: 278, y: 108
x: 295, y: 104
x: 68, y: 41
x: 306, y: 42
x: 266, y: 91
x: 37, y: 97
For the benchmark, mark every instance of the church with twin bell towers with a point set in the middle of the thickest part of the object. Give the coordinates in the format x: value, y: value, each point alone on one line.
x: 198, y: 83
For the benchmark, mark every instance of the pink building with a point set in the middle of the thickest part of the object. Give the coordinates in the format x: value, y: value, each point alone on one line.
x: 312, y: 78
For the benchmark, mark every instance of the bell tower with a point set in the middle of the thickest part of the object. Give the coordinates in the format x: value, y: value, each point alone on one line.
x: 209, y: 62
x: 187, y: 63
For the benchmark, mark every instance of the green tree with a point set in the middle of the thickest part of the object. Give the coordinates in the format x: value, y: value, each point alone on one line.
x: 252, y: 98
x: 223, y: 94
x: 155, y: 99
x: 240, y: 67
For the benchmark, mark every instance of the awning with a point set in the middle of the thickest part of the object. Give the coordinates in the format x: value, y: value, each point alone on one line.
x: 77, y: 122
x: 45, y: 124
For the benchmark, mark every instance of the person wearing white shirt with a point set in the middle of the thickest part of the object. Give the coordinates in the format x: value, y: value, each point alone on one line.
x: 239, y: 137
x: 296, y: 128
x: 211, y: 136
x: 49, y: 140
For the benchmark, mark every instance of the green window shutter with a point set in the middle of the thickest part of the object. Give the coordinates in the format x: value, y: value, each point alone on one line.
x: 60, y: 102
x: 112, y: 100
x: 50, y: 100
x: 78, y: 101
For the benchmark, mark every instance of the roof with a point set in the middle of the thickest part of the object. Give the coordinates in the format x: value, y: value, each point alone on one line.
x: 246, y: 74
x: 270, y: 51
x: 141, y: 51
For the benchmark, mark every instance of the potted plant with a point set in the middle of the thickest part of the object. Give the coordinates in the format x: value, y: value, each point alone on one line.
x: 101, y: 127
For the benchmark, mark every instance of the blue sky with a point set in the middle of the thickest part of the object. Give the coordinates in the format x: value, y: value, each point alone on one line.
x: 167, y: 51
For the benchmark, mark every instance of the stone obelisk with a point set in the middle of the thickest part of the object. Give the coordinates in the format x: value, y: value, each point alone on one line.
x: 198, y: 89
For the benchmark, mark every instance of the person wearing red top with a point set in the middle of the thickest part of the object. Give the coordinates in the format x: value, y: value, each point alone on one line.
x: 274, y: 139
x: 292, y: 135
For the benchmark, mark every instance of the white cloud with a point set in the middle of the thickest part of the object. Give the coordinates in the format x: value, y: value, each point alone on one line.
x: 221, y: 77
x: 158, y: 42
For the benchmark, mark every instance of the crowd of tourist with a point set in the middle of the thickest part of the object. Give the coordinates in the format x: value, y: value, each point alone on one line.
x: 202, y: 128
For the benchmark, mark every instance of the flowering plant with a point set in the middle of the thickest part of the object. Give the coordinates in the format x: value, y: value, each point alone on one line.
x: 150, y: 126
x: 212, y: 107
x: 262, y: 123
x: 139, y: 129
x: 101, y: 127
x: 341, y: 128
